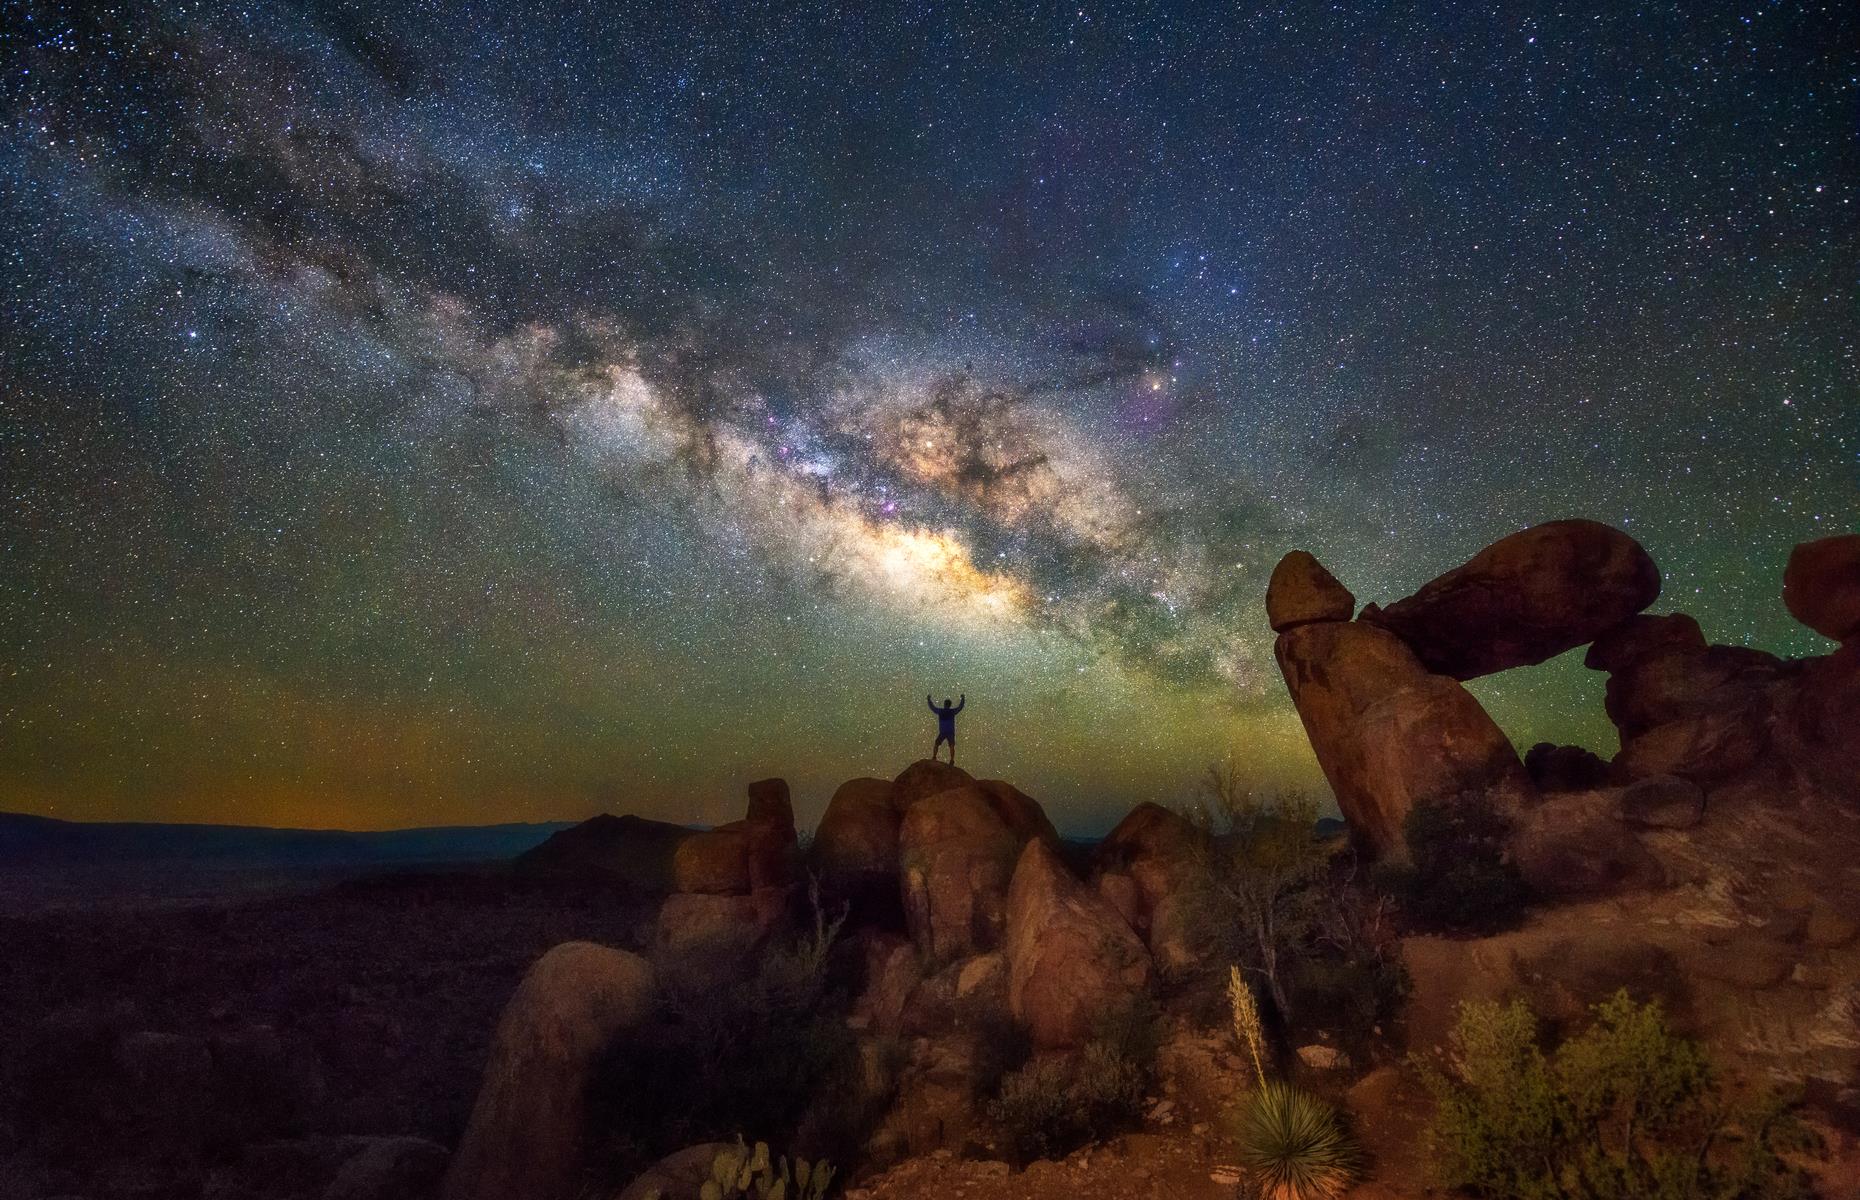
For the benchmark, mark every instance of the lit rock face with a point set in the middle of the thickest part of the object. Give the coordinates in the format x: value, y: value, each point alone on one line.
x: 524, y: 1138
x: 1388, y: 733
x: 1071, y: 958
x: 955, y: 856
x: 1524, y: 599
x: 1821, y: 586
x: 1302, y: 591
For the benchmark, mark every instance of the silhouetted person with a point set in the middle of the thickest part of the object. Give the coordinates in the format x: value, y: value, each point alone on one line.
x: 946, y: 724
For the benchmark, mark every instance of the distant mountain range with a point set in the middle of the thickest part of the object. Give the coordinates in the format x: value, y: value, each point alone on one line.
x: 27, y: 840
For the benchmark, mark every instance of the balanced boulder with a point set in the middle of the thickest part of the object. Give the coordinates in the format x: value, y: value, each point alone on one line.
x: 1301, y: 591
x: 1020, y: 812
x: 1071, y: 959
x: 955, y: 857
x: 1523, y: 599
x: 524, y: 1137
x: 1821, y: 585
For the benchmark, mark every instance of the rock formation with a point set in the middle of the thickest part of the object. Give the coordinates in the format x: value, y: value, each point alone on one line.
x: 1388, y: 733
x: 856, y: 843
x: 1523, y: 599
x: 733, y: 885
x: 1821, y: 586
x: 1070, y: 957
x: 524, y: 1138
x: 1302, y: 591
x: 955, y: 857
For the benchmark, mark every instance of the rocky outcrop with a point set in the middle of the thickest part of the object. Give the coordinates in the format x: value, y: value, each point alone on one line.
x: 1302, y: 591
x: 856, y: 843
x: 1524, y: 599
x: 1144, y: 869
x: 524, y: 1137
x: 679, y: 1176
x: 1821, y: 586
x: 1020, y: 812
x: 1388, y: 733
x: 923, y: 778
x: 1071, y: 959
x: 955, y: 859
x: 732, y: 885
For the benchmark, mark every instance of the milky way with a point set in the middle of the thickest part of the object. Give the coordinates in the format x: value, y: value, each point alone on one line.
x: 429, y: 413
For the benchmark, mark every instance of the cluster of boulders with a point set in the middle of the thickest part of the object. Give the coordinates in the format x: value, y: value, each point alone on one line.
x: 1380, y: 694
x: 733, y: 885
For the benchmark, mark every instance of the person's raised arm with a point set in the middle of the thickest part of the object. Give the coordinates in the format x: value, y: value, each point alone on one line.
x: 962, y: 702
x: 931, y: 702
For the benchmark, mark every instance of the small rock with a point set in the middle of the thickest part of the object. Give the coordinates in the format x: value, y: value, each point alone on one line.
x: 1225, y: 1176
x: 1322, y: 1058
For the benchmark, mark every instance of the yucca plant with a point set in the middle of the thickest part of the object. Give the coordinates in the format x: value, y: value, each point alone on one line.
x: 1292, y: 1146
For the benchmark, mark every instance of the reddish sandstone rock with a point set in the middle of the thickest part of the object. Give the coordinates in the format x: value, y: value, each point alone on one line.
x: 1640, y: 636
x: 713, y: 861
x: 769, y: 803
x: 1818, y: 726
x: 857, y: 839
x: 1020, y: 812
x: 955, y: 857
x: 1071, y: 959
x: 925, y: 777
x: 1387, y: 733
x: 1524, y: 599
x: 1302, y: 590
x: 1821, y: 585
x: 524, y: 1138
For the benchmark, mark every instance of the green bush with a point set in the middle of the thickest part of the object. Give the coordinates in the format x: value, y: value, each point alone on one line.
x: 1460, y: 877
x: 1292, y: 1146
x: 1625, y: 1110
x: 1053, y: 1105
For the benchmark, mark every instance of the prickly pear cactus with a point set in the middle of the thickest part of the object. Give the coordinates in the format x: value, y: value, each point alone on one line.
x: 742, y: 1172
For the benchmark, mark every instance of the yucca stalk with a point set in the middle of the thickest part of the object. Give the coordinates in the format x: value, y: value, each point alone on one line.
x: 1247, y: 1027
x: 1293, y: 1148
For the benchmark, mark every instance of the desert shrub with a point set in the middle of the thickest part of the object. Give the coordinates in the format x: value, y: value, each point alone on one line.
x: 1053, y: 1105
x: 769, y: 1053
x: 1292, y: 1145
x: 1460, y: 877
x: 1350, y: 979
x: 1257, y: 893
x: 1625, y: 1110
x: 1289, y: 1141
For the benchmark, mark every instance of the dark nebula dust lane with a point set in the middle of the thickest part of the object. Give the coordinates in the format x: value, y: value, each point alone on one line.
x: 456, y: 413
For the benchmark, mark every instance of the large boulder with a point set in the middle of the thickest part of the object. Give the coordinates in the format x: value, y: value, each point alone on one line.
x: 1071, y: 959
x: 955, y: 858
x: 719, y: 927
x: 1388, y: 734
x: 925, y: 777
x: 1641, y: 636
x: 1020, y: 812
x: 855, y: 846
x: 774, y: 846
x: 1302, y: 590
x: 1157, y: 850
x: 1821, y: 585
x: 1818, y: 724
x: 1524, y: 599
x: 524, y: 1138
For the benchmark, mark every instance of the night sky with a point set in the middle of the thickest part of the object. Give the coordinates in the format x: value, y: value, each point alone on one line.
x: 413, y: 413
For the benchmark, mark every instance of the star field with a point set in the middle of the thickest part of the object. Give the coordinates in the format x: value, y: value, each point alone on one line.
x: 425, y: 413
